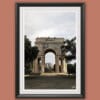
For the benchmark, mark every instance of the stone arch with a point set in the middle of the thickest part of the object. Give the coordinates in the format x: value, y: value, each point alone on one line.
x: 50, y: 50
x: 45, y: 45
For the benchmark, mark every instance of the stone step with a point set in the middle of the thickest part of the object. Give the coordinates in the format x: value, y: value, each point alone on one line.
x: 52, y: 74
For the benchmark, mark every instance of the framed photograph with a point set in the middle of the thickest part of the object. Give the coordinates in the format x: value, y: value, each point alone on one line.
x: 50, y: 50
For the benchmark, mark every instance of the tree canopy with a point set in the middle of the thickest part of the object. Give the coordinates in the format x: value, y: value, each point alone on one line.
x: 69, y: 47
x: 30, y: 53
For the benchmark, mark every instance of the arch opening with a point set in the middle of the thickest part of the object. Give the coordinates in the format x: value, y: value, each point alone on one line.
x: 50, y: 61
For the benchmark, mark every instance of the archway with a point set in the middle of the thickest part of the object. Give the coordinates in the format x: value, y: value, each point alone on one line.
x: 46, y: 45
x: 49, y: 62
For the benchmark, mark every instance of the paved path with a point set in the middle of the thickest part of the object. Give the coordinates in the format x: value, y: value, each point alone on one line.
x: 50, y: 82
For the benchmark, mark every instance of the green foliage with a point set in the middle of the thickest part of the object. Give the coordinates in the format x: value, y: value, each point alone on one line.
x: 30, y: 54
x: 71, y: 68
x: 70, y: 47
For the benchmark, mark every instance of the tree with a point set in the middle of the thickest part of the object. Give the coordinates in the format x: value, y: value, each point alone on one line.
x: 69, y: 46
x: 30, y: 54
x: 69, y: 52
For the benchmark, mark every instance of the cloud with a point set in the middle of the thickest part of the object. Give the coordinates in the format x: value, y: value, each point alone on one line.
x: 48, y: 23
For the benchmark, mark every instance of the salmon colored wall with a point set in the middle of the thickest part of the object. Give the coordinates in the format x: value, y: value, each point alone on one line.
x: 7, y: 48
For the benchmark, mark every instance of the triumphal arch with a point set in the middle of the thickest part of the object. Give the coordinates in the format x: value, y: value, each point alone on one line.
x: 46, y: 45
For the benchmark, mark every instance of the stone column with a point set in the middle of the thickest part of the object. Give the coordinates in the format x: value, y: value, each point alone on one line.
x: 36, y: 67
x: 57, y: 63
x: 64, y: 66
x: 43, y: 64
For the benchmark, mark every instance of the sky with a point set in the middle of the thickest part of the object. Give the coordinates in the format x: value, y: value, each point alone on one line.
x: 50, y: 58
x: 49, y: 22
